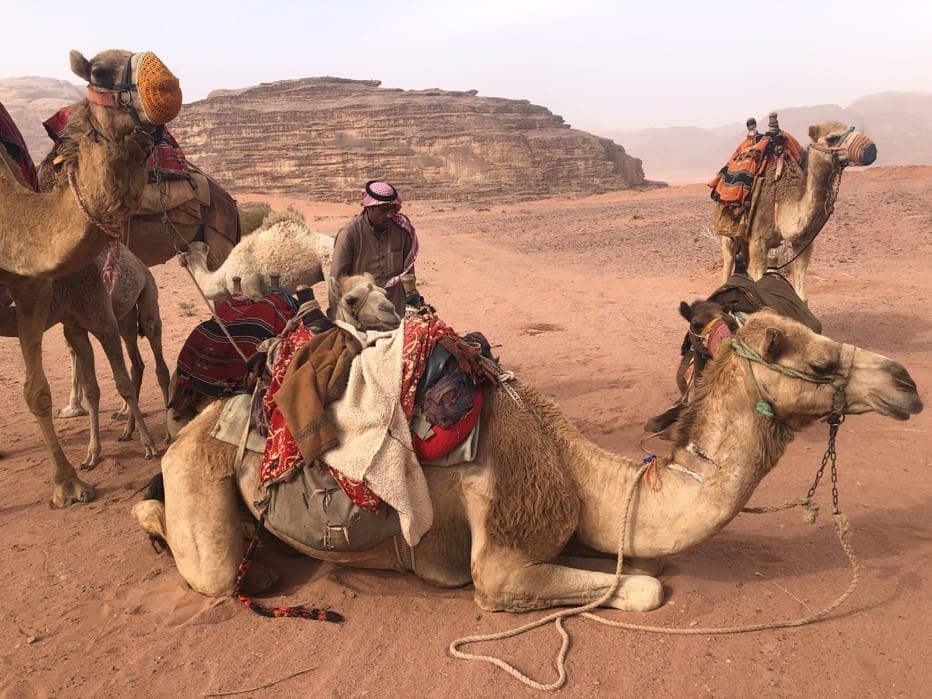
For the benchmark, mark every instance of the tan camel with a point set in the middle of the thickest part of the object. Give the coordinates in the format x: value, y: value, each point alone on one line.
x: 495, y: 526
x: 75, y: 304
x: 59, y: 232
x: 791, y: 209
x: 287, y: 248
x: 362, y: 304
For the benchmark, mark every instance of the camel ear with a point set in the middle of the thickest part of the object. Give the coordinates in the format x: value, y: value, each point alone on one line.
x: 686, y: 310
x: 774, y: 341
x: 80, y: 66
x: 814, y: 133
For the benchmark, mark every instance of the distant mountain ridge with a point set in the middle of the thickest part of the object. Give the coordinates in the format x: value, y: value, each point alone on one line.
x: 900, y: 123
x: 435, y: 142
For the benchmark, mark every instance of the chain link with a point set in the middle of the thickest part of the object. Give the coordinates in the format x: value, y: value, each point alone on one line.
x: 834, y: 422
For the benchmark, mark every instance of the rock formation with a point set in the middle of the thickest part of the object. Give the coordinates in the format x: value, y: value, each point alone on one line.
x: 322, y: 138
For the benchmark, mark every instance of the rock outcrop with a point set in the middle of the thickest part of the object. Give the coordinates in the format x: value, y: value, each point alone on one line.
x: 322, y: 138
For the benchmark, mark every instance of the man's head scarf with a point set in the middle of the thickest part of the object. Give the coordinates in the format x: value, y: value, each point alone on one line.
x: 376, y: 193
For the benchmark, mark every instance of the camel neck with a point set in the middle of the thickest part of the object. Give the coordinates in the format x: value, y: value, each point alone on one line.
x: 692, y: 494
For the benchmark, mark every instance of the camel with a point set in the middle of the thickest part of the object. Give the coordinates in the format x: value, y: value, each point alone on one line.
x: 59, y: 232
x: 287, y: 248
x: 497, y: 527
x: 791, y: 208
x: 134, y: 301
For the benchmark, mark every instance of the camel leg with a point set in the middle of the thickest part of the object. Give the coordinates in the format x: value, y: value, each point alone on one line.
x: 510, y: 581
x: 728, y: 257
x: 74, y: 407
x: 150, y: 326
x: 84, y: 368
x: 31, y: 315
x: 109, y: 339
x: 800, y: 267
x: 200, y: 518
x: 128, y: 326
x: 757, y: 256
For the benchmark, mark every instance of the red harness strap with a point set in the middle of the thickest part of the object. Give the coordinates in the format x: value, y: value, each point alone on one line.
x: 312, y: 613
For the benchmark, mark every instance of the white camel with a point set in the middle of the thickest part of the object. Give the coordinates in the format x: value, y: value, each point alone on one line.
x: 287, y: 248
x: 501, y: 521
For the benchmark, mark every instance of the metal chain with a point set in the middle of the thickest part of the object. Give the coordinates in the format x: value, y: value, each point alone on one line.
x: 834, y: 422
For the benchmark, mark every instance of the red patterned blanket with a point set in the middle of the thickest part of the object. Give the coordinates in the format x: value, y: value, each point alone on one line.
x: 15, y: 144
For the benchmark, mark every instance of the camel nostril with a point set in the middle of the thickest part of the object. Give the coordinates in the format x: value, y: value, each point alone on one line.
x: 869, y: 155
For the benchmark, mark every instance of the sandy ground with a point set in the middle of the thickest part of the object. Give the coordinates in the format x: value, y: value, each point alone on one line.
x: 579, y: 298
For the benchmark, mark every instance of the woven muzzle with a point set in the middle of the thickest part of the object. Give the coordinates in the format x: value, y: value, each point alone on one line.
x: 159, y: 90
x: 857, y: 145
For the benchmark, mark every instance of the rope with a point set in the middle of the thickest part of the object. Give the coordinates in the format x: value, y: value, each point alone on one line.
x: 842, y: 528
x: 214, y: 316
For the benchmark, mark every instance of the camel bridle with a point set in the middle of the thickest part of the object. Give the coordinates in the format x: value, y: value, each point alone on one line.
x: 120, y: 96
x: 838, y: 380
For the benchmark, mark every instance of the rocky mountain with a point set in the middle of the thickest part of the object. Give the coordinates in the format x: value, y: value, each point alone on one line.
x: 32, y: 100
x: 900, y: 123
x: 324, y: 137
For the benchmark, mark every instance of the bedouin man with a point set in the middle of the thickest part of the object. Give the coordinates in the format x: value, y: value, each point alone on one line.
x: 380, y: 241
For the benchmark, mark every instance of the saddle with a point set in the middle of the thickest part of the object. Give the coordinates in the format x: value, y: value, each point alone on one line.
x: 736, y: 185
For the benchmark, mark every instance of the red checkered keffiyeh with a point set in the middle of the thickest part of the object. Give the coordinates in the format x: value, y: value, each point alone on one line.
x: 376, y: 193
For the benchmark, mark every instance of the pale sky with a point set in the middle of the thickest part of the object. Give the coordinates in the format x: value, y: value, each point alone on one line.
x: 600, y: 64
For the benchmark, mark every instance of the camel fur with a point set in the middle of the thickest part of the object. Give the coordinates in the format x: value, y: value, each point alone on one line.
x: 501, y: 521
x: 59, y: 232
x: 287, y: 248
x: 790, y: 211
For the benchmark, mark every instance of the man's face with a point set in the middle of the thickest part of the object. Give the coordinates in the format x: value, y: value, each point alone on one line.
x: 379, y: 215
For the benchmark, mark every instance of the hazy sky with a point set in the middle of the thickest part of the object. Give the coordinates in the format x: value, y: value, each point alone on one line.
x: 600, y: 64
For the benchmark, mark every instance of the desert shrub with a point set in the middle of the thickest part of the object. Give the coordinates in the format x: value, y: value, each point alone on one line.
x: 289, y: 214
x: 251, y: 215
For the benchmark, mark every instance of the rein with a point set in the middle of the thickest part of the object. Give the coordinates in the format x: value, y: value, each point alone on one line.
x: 838, y: 380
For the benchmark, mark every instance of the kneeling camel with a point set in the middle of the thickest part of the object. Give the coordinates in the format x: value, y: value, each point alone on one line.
x: 502, y: 521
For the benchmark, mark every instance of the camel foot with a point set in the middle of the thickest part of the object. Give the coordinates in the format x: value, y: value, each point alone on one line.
x: 71, y: 492
x: 152, y: 451
x: 90, y: 462
x: 119, y: 415
x: 125, y: 436
x: 637, y: 593
x: 71, y: 411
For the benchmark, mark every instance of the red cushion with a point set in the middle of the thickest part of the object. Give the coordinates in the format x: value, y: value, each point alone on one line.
x: 443, y: 440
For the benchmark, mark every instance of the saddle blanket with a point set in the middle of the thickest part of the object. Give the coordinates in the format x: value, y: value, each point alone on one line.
x: 732, y: 185
x: 165, y: 161
x: 15, y: 144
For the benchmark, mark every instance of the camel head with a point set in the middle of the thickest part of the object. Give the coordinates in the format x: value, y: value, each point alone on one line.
x: 137, y: 82
x: 709, y: 323
x: 804, y: 376
x: 195, y: 255
x: 362, y: 304
x: 846, y: 146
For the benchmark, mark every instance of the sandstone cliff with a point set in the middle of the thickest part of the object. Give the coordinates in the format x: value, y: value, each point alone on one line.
x: 324, y: 137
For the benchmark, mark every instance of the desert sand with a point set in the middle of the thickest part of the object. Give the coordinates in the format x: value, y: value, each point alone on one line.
x: 579, y: 298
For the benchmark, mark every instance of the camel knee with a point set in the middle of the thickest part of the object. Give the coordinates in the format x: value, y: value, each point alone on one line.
x: 39, y: 400
x: 150, y: 514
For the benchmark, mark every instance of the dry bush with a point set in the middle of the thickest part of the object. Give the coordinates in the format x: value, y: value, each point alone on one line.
x: 251, y: 215
x: 289, y: 214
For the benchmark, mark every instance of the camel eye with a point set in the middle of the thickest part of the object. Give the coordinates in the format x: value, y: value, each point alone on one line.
x: 824, y: 368
x: 351, y: 300
x: 833, y: 140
